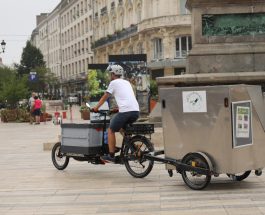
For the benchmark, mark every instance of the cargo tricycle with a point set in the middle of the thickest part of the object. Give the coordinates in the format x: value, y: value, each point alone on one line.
x: 88, y: 141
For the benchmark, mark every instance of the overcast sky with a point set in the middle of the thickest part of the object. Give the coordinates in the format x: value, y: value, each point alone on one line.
x: 17, y: 21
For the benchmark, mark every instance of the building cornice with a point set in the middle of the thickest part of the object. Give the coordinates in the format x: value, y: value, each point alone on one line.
x: 164, y: 21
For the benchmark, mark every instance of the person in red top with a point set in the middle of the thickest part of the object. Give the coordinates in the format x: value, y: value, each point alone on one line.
x: 37, y: 107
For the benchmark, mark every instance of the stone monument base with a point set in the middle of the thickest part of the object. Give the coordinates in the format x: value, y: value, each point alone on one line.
x: 257, y: 78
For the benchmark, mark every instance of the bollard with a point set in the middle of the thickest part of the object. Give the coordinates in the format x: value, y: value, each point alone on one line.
x: 56, y: 117
x: 64, y: 114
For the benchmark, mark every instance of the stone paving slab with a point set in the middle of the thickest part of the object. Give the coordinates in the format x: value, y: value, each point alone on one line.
x: 30, y: 184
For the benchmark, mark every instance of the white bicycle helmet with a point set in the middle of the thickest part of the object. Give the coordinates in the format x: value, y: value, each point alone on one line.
x: 116, y: 69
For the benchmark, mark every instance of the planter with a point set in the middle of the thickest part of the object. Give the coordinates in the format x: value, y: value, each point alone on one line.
x: 44, y: 117
x: 85, y: 115
x: 152, y: 104
x: 3, y: 119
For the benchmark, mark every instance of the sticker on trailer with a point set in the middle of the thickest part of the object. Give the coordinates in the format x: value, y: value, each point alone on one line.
x: 242, y: 123
x: 194, y: 101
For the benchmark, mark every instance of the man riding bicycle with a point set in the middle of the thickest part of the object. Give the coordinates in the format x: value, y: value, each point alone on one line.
x: 127, y: 104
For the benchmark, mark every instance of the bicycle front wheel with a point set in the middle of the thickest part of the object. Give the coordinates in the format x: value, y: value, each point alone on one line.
x: 59, y: 160
x: 135, y: 162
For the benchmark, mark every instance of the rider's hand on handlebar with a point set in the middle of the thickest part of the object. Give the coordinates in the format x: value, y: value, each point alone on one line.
x: 94, y: 109
x: 114, y: 110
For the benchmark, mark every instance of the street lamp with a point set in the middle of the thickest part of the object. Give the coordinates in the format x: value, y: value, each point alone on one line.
x: 3, y: 45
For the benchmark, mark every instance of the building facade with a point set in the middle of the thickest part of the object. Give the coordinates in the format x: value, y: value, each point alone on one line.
x: 46, y: 37
x: 80, y: 32
x: 76, y: 37
x: 159, y: 28
x: 64, y: 38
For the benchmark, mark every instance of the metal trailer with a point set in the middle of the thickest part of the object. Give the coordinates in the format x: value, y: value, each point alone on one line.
x: 210, y: 130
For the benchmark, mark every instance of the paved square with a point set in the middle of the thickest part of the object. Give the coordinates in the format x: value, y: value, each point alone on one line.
x: 30, y: 184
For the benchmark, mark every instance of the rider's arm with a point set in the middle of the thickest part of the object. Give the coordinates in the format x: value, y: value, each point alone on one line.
x: 102, y: 100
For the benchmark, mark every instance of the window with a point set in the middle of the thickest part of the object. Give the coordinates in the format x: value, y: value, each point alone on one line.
x: 114, y: 25
x: 183, y: 45
x: 157, y: 73
x: 179, y: 71
x: 158, y: 48
x: 140, y: 48
x: 182, y: 8
x: 139, y: 15
x: 130, y: 50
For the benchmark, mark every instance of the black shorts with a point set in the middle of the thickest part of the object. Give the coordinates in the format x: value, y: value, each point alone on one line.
x: 120, y: 120
x: 36, y: 112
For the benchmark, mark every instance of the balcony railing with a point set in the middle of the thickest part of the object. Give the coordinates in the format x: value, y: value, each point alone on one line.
x: 116, y: 36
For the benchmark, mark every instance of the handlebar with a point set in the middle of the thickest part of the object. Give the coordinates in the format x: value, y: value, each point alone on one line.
x: 104, y: 112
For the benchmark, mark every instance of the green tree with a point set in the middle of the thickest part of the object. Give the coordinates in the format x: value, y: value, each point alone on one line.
x: 5, y: 74
x: 92, y: 83
x: 103, y: 79
x: 153, y: 89
x: 32, y: 61
x: 12, y: 87
x: 31, y: 58
x: 97, y: 82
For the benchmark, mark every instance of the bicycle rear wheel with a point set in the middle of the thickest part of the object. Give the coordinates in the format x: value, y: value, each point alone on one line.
x: 135, y: 162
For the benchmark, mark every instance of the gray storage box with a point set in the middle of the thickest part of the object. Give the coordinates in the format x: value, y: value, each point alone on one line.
x: 82, y: 138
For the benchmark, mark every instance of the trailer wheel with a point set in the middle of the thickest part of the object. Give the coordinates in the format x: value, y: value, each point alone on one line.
x: 59, y: 160
x: 239, y: 177
x: 192, y: 179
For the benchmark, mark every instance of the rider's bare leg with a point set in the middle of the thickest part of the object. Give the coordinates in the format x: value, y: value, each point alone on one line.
x: 111, y: 141
x: 122, y: 132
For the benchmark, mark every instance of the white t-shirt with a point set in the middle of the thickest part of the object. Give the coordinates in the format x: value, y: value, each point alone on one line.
x: 124, y: 95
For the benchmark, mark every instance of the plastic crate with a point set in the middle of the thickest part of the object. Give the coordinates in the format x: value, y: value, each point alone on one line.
x: 140, y: 128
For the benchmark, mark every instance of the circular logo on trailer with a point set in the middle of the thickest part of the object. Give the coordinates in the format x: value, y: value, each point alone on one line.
x: 194, y: 101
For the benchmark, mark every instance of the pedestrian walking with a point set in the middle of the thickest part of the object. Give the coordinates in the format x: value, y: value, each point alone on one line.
x: 37, y: 107
x: 31, y: 107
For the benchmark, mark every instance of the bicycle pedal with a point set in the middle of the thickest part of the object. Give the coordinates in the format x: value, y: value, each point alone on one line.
x: 118, y: 160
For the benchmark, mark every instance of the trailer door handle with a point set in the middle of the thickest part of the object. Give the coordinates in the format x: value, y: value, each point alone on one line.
x: 163, y: 103
x: 226, y: 102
